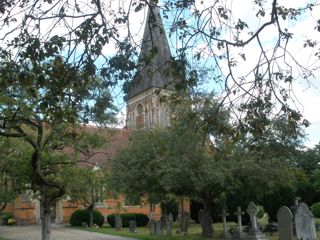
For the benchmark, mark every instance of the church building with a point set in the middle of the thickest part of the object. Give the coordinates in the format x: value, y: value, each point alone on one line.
x: 152, y: 80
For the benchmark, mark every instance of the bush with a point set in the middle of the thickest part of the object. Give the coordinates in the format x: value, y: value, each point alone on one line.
x: 140, y: 219
x: 5, y: 218
x: 315, y: 209
x: 81, y: 216
x: 260, y: 211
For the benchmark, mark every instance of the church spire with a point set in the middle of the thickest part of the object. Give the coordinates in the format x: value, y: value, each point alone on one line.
x: 152, y: 81
x: 154, y: 56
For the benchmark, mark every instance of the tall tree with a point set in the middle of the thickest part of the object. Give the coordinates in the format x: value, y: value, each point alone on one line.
x: 199, y: 156
x: 43, y: 103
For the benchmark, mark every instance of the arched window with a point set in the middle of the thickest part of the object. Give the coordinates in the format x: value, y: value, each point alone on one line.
x: 140, y: 116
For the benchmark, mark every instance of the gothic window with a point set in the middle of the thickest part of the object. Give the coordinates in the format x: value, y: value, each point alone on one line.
x: 148, y: 116
x: 130, y: 119
x: 140, y: 116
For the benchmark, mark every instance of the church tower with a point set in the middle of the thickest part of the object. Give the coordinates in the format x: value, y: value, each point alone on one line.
x: 152, y: 81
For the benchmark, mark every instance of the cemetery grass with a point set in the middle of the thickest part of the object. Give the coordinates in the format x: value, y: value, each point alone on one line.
x: 194, y: 232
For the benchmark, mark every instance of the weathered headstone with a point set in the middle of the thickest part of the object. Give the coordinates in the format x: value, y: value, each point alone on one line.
x: 294, y: 209
x: 239, y: 213
x: 285, y: 218
x: 118, y: 222
x: 158, y: 228
x: 152, y: 226
x: 185, y: 222
x: 304, y: 223
x: 224, y: 215
x: 163, y: 220
x: 169, y: 224
x: 254, y: 232
x: 200, y: 216
x: 132, y: 226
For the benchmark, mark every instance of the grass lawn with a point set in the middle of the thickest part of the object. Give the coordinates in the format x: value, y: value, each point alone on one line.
x: 194, y: 232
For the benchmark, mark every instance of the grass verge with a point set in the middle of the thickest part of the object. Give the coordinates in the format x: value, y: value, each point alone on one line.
x: 194, y: 232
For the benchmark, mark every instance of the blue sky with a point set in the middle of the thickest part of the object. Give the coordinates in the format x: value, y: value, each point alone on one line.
x: 305, y: 94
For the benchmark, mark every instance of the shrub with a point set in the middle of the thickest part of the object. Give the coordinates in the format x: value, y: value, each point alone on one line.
x: 315, y: 209
x: 5, y: 218
x: 260, y: 211
x: 140, y: 219
x: 81, y: 216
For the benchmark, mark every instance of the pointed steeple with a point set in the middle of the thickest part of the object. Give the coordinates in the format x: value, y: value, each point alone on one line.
x: 154, y: 57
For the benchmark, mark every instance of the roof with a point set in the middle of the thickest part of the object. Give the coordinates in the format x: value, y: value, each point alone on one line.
x: 115, y: 140
x: 154, y: 58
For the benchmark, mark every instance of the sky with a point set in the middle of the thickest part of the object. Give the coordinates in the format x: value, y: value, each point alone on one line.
x: 306, y: 95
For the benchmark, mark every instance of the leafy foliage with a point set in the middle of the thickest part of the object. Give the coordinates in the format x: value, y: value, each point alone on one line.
x: 315, y: 209
x: 86, y: 185
x: 5, y: 216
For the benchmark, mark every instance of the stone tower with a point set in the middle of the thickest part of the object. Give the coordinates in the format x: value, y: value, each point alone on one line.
x: 152, y: 81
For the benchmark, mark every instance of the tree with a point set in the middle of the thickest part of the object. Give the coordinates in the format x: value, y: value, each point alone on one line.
x: 139, y: 162
x: 6, y: 189
x: 86, y: 185
x: 43, y: 104
x: 53, y: 67
x: 214, y: 37
x: 200, y: 156
x: 14, y: 170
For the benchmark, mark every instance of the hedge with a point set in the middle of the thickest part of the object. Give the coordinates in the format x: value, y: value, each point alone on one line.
x: 81, y: 216
x: 140, y: 219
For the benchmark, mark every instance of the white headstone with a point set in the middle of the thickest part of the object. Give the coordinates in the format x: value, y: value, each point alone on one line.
x: 285, y: 219
x: 304, y: 223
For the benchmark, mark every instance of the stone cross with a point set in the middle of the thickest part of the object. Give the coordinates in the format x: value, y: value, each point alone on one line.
x: 169, y: 224
x: 254, y: 232
x: 224, y: 215
x: 239, y: 214
x: 304, y: 223
x: 285, y: 218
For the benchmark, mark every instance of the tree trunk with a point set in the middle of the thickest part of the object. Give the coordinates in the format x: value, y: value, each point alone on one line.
x: 46, y: 219
x: 90, y: 210
x: 206, y: 222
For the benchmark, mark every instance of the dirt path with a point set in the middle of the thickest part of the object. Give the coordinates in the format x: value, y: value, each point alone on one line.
x: 59, y: 232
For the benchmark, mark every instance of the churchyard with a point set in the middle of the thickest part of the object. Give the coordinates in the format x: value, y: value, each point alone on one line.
x: 300, y: 225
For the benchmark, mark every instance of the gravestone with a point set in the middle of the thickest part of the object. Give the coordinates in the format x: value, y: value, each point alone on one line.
x: 158, y: 228
x: 169, y: 224
x: 132, y: 226
x: 185, y: 222
x: 285, y: 218
x: 200, y: 216
x: 118, y: 222
x: 304, y: 223
x: 239, y: 213
x: 152, y: 226
x: 224, y: 215
x: 294, y: 209
x: 163, y: 220
x: 254, y: 232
